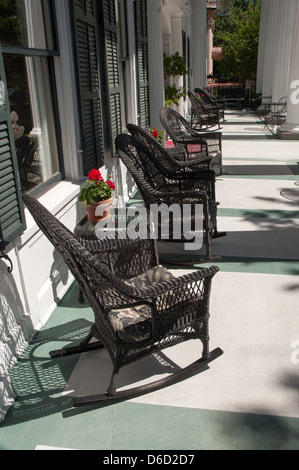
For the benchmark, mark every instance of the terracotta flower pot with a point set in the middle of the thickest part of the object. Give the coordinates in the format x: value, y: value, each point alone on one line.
x: 99, y: 210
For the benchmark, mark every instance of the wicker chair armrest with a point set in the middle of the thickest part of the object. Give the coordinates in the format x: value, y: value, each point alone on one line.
x: 125, y: 294
x: 189, y: 280
x: 209, y: 107
x: 194, y: 162
x: 191, y: 139
x: 172, y: 300
x: 196, y: 131
x: 151, y: 294
x: 198, y: 175
x: 208, y: 139
x: 216, y: 135
x: 199, y: 140
x: 180, y: 196
x: 196, y: 138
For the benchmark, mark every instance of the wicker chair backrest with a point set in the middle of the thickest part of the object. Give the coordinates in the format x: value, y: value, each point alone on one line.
x: 199, y: 105
x: 175, y: 125
x: 204, y: 96
x: 100, y: 285
x: 159, y: 155
x: 143, y: 164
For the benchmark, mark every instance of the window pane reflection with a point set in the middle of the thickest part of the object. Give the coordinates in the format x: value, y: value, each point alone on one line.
x: 32, y: 118
x: 26, y: 23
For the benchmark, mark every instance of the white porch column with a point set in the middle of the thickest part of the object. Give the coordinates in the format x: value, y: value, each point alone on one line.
x: 270, y: 47
x: 211, y: 14
x: 199, y: 43
x: 290, y: 129
x: 177, y: 46
x: 261, y: 49
x: 283, y: 52
x: 155, y: 58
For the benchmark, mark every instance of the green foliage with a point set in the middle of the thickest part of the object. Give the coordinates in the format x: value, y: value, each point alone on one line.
x: 10, y: 24
x: 94, y: 192
x: 238, y: 35
x: 157, y: 134
x: 174, y: 65
x: 96, y: 189
x: 173, y: 94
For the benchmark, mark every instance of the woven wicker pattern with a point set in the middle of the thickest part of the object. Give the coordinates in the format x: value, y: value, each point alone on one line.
x: 179, y: 307
x: 206, y: 115
x: 193, y: 169
x: 175, y: 160
x: 208, y: 98
x: 184, y: 136
x: 156, y: 186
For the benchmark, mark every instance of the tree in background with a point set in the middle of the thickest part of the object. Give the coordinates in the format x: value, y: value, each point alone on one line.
x: 238, y: 35
x: 10, y: 24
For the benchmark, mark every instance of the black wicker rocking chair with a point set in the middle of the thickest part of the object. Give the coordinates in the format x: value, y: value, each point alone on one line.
x: 208, y: 98
x: 139, y: 306
x: 183, y: 135
x: 206, y: 115
x: 175, y: 158
x: 158, y: 187
x: 171, y: 168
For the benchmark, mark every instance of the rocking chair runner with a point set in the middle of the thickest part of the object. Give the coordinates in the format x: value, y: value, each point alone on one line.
x: 184, y: 136
x: 139, y: 307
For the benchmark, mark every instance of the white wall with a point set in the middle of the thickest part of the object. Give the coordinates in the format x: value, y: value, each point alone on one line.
x: 30, y: 293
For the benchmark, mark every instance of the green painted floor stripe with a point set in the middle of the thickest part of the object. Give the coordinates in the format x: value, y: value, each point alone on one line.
x: 117, y: 427
x: 258, y: 214
x: 42, y: 416
x: 294, y: 177
x: 251, y: 159
x: 247, y: 137
x: 246, y: 265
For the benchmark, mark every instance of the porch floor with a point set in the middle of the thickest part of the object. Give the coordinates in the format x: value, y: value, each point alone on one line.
x: 248, y: 398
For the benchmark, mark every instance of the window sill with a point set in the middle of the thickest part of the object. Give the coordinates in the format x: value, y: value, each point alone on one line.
x: 59, y: 198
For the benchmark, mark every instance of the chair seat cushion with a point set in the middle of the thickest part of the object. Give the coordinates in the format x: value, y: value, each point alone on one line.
x: 133, y: 324
x: 151, y: 277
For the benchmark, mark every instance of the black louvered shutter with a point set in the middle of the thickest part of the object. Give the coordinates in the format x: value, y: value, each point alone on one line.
x: 12, y: 220
x: 142, y: 64
x: 112, y: 67
x: 89, y: 83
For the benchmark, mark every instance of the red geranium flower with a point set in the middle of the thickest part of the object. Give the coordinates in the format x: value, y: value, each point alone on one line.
x: 111, y: 185
x: 155, y: 132
x: 96, y: 189
x: 95, y: 175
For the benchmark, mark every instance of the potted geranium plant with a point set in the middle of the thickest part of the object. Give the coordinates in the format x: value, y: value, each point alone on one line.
x: 157, y: 134
x: 97, y: 192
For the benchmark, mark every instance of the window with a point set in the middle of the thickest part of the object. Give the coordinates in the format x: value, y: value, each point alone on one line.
x: 121, y: 22
x: 115, y: 86
x: 28, y: 44
x: 142, y: 63
x: 89, y: 83
x: 32, y: 118
x: 26, y: 24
